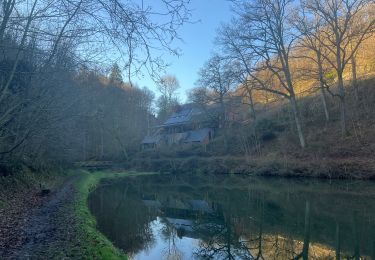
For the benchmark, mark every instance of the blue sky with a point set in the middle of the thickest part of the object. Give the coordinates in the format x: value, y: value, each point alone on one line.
x: 198, y: 43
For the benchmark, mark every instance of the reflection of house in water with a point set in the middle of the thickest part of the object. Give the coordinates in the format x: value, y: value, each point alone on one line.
x: 184, y: 227
x: 184, y: 216
x: 189, y: 124
x: 238, y: 218
x: 181, y: 207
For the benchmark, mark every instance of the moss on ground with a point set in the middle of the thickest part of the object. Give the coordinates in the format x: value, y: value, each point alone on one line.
x: 94, y: 245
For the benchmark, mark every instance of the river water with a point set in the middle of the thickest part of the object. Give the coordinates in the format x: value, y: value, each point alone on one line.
x: 232, y: 217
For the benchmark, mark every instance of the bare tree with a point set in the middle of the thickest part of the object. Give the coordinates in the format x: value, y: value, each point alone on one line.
x: 168, y: 100
x: 217, y: 76
x: 339, y: 32
x: 199, y: 96
x: 234, y: 48
x: 6, y: 10
x: 168, y: 86
x: 268, y: 35
x: 311, y: 38
x: 360, y: 21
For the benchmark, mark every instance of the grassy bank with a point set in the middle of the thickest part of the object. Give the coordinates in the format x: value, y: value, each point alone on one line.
x: 94, y: 245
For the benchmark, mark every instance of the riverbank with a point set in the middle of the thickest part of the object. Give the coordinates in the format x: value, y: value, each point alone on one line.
x: 94, y: 245
x: 286, y: 167
x: 58, y: 225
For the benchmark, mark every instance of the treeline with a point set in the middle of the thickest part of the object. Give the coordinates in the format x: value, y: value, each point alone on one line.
x: 58, y: 102
x: 104, y: 120
x: 69, y: 113
x: 282, y: 50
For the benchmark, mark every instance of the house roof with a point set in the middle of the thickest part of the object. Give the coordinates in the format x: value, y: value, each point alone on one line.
x: 200, y: 205
x: 180, y: 117
x: 197, y: 135
x: 189, y: 113
x: 152, y: 203
x: 154, y: 139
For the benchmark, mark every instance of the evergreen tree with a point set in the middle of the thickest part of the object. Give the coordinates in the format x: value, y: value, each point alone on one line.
x: 115, y: 75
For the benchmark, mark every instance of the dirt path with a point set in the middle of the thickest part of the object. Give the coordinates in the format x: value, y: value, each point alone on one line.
x: 47, y: 231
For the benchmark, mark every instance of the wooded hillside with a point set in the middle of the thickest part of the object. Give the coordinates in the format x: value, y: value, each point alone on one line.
x: 62, y: 95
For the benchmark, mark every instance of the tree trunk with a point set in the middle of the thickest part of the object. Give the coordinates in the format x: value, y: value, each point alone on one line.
x: 223, y: 121
x: 84, y: 146
x: 297, y: 120
x: 341, y: 89
x: 252, y: 108
x: 306, y: 241
x: 101, y: 143
x: 222, y: 112
x: 322, y: 89
x: 338, y: 244
x: 324, y: 101
x: 342, y: 98
x: 292, y: 97
x: 354, y: 78
x: 357, y: 255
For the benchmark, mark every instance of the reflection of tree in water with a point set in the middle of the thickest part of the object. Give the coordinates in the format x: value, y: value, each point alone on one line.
x: 222, y: 240
x: 137, y: 237
x: 170, y: 233
x: 219, y: 240
x: 246, y: 223
x: 257, y: 241
x: 130, y: 230
x: 355, y: 241
x: 306, y: 241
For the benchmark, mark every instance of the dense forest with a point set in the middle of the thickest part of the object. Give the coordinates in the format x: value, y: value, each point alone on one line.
x: 63, y: 96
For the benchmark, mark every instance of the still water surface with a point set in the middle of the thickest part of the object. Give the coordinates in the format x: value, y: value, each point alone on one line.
x: 231, y: 217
